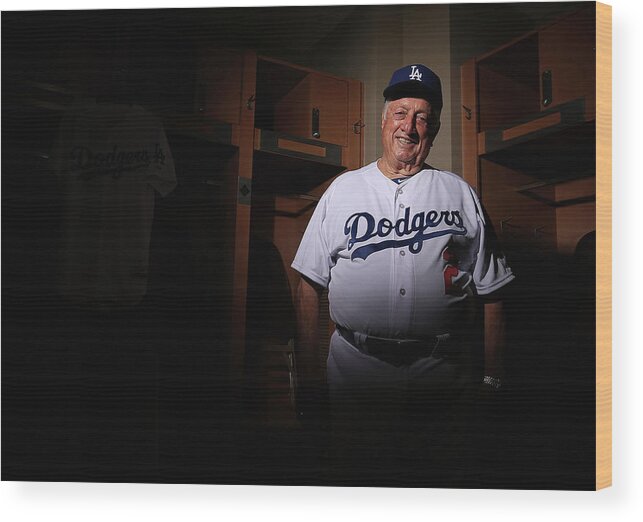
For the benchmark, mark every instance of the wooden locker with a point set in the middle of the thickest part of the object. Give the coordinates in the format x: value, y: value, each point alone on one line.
x: 317, y: 107
x: 218, y: 85
x: 529, y: 136
x: 567, y: 61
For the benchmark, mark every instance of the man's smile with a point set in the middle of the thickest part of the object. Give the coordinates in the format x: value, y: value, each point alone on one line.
x: 407, y: 140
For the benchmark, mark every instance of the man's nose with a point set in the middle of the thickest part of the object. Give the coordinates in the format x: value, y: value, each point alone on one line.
x: 408, y: 124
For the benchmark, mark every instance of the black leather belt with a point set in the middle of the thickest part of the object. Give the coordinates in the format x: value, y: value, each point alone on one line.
x: 397, y: 352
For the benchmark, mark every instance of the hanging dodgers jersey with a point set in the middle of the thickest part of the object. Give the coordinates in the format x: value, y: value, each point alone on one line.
x: 110, y: 159
x: 400, y: 260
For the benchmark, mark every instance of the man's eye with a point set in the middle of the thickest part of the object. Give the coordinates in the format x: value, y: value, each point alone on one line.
x: 399, y: 114
x: 422, y: 119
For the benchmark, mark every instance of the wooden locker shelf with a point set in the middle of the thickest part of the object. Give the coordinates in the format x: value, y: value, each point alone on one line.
x: 564, y: 150
x: 297, y: 147
x: 561, y: 192
x: 294, y: 205
x: 534, y: 127
x: 202, y: 128
x: 283, y: 174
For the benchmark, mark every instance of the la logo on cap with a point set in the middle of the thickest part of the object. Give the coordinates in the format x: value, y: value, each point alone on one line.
x: 415, y: 73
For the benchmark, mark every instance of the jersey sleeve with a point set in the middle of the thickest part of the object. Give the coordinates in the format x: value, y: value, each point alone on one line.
x: 313, y: 258
x: 161, y: 174
x: 491, y: 271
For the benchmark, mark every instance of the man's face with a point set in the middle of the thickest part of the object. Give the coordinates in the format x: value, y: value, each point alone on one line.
x: 406, y: 137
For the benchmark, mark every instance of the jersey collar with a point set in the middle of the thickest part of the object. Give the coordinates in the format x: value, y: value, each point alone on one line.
x: 376, y: 178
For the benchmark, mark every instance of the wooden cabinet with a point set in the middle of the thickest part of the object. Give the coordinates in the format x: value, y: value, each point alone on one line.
x: 308, y: 114
x: 272, y: 136
x: 317, y: 105
x: 529, y: 133
x: 219, y: 75
x: 567, y: 61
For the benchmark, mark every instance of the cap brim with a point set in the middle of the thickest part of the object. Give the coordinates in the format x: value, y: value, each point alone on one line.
x: 413, y: 89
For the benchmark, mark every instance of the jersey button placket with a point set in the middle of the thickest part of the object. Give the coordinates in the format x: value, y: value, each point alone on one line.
x: 401, y: 300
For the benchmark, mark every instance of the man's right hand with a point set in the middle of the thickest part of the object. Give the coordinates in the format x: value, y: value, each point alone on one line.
x: 311, y: 390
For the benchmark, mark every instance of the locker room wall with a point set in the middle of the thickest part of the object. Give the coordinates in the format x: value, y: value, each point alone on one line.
x: 372, y: 42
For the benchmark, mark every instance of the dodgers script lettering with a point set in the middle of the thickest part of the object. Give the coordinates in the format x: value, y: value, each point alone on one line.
x: 409, y: 231
x: 91, y: 163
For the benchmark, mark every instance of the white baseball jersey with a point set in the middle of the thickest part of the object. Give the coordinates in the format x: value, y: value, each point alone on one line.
x: 110, y: 159
x: 399, y: 260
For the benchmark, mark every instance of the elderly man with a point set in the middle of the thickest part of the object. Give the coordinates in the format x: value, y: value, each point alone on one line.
x: 404, y: 250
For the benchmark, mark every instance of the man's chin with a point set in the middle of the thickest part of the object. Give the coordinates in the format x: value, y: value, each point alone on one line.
x: 407, y: 159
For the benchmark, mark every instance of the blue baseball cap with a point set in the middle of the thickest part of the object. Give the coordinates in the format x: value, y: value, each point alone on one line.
x: 415, y: 81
